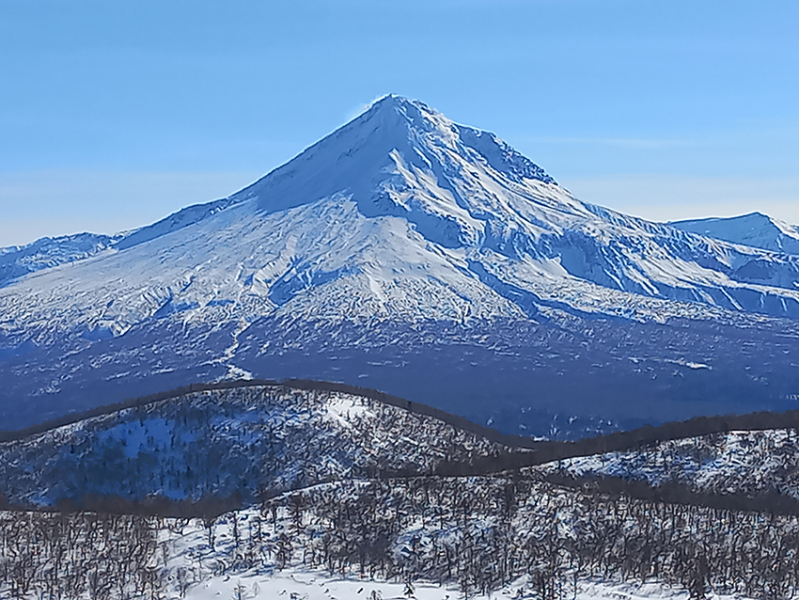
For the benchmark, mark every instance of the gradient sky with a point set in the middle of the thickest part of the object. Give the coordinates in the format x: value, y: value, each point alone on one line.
x: 115, y: 113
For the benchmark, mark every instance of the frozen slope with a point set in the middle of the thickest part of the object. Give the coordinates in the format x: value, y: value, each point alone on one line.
x: 753, y: 229
x: 421, y: 257
x: 18, y: 261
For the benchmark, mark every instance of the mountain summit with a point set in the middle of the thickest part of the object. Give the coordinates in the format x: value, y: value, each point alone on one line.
x: 419, y: 256
x: 392, y: 161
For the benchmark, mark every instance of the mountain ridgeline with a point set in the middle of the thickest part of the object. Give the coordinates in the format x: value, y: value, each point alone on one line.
x: 411, y: 254
x: 754, y: 229
x: 225, y: 446
x: 221, y: 446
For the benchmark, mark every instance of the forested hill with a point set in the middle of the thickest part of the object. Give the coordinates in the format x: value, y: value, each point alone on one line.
x: 300, y: 384
x: 218, y: 446
x: 356, y: 483
x: 225, y: 447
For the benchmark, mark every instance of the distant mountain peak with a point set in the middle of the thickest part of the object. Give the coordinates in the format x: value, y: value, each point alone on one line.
x: 48, y: 252
x: 401, y: 158
x: 466, y: 140
x: 753, y: 229
x: 400, y: 103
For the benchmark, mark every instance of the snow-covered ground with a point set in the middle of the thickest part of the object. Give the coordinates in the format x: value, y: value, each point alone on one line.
x: 296, y: 584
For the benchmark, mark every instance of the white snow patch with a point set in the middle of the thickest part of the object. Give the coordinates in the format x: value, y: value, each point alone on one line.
x: 343, y: 409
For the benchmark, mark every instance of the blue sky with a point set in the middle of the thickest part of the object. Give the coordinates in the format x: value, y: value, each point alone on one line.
x: 114, y: 114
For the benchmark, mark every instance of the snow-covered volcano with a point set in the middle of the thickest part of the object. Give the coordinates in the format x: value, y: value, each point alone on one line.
x: 409, y: 253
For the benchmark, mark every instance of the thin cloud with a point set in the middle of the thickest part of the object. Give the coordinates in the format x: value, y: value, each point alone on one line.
x: 357, y: 112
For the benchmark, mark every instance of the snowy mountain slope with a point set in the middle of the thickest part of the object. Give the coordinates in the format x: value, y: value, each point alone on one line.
x: 183, y: 218
x: 18, y: 261
x: 402, y: 225
x: 239, y: 444
x: 420, y: 198
x: 45, y: 253
x: 754, y: 229
x: 468, y: 192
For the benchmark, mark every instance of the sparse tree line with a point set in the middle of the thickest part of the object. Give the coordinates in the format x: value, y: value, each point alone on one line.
x: 65, y: 556
x: 458, y: 509
x: 478, y: 533
x: 757, y: 465
x: 484, y: 533
x: 545, y: 451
